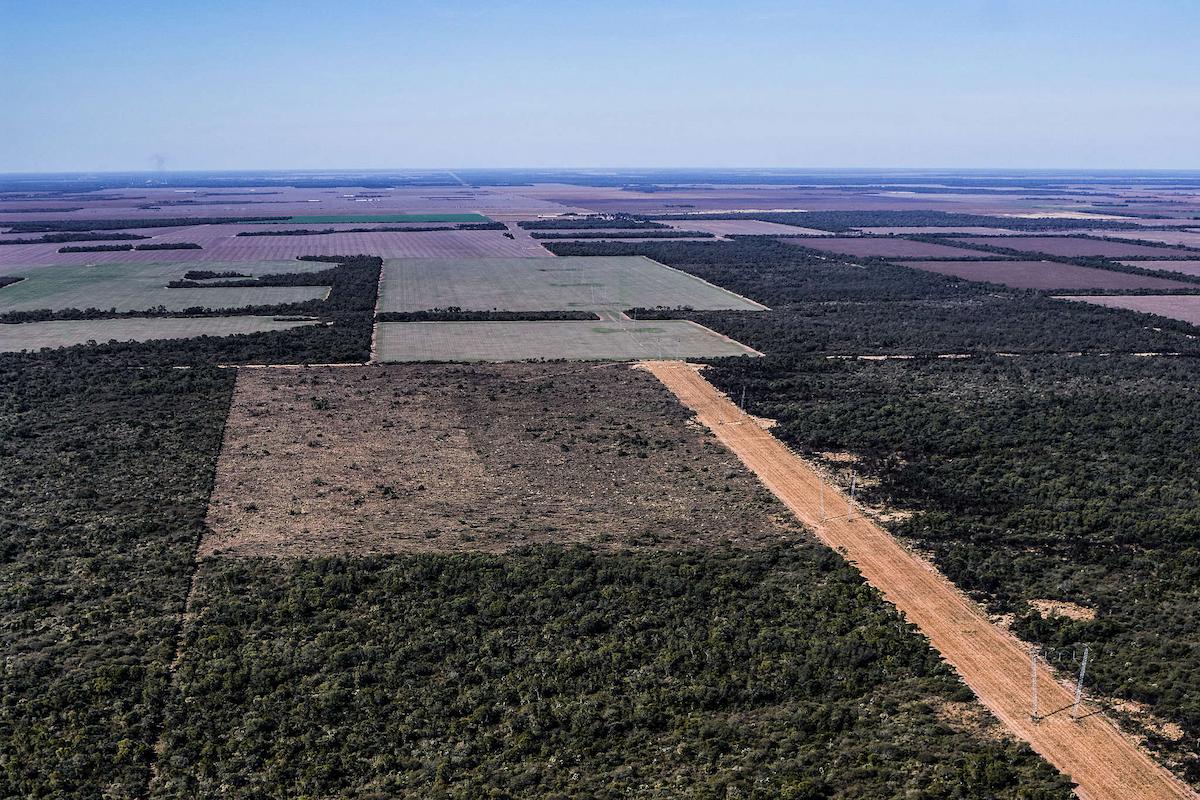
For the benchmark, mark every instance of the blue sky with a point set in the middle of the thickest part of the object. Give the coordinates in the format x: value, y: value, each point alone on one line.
x: 354, y: 84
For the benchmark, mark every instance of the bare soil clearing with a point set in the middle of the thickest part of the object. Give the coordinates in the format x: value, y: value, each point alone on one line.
x: 1105, y: 763
x: 388, y: 459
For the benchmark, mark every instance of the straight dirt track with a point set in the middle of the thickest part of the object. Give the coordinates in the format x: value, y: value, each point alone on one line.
x: 996, y: 665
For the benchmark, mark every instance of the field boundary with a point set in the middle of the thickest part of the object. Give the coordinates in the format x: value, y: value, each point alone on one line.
x: 761, y: 306
x: 1093, y: 752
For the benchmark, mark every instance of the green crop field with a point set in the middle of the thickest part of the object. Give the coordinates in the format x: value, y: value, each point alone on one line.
x: 611, y: 283
x: 36, y: 335
x: 139, y: 287
x: 336, y: 218
x: 610, y: 340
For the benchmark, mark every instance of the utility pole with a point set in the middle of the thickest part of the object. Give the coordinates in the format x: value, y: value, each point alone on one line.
x: 1079, y: 684
x: 1033, y: 714
x: 742, y: 404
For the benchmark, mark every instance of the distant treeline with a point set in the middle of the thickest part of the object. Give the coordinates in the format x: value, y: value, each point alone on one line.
x: 455, y: 314
x: 620, y: 234
x: 108, y: 248
x: 206, y: 274
x: 59, y: 238
x: 465, y: 226
x: 843, y: 221
x: 625, y: 221
x: 67, y: 225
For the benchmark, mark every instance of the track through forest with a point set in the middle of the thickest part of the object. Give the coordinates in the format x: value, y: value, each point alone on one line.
x: 1106, y: 764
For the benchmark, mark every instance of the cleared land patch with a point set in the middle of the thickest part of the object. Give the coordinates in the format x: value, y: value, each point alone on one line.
x: 1181, y: 307
x: 65, y: 333
x: 386, y: 459
x: 138, y: 287
x: 1045, y: 275
x: 1074, y: 246
x: 883, y: 247
x: 612, y: 283
x: 607, y: 340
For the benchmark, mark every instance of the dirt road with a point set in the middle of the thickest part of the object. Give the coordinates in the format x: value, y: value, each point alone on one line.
x: 995, y: 664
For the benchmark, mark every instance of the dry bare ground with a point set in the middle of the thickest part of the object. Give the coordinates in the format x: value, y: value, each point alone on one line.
x: 1106, y: 764
x: 406, y: 458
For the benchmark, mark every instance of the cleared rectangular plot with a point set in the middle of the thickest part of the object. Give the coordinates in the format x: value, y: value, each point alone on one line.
x: 36, y: 335
x: 404, y: 458
x: 138, y: 287
x: 1074, y: 246
x: 611, y: 283
x: 609, y: 340
x: 1183, y: 307
x: 1045, y: 275
x: 883, y: 247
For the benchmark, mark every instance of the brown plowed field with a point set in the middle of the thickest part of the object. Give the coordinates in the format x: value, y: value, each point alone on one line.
x: 996, y: 665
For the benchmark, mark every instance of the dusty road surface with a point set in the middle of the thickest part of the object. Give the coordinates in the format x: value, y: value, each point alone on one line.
x: 996, y: 665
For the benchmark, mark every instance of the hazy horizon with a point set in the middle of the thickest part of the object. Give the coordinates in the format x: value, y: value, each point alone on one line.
x: 983, y: 84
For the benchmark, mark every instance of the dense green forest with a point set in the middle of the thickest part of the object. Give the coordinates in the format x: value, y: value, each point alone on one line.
x: 106, y: 472
x: 1033, y: 472
x: 555, y: 672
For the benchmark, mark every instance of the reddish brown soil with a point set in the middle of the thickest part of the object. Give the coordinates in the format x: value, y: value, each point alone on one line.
x: 404, y: 458
x: 1105, y: 763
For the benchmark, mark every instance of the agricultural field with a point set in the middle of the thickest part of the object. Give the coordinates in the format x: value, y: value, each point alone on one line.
x: 605, y: 340
x: 612, y: 284
x: 1046, y: 275
x: 1188, y: 238
x: 1074, y: 247
x: 555, y: 454
x: 884, y: 247
x: 1182, y: 267
x: 1185, y: 308
x: 65, y: 333
x: 221, y: 243
x: 139, y: 287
